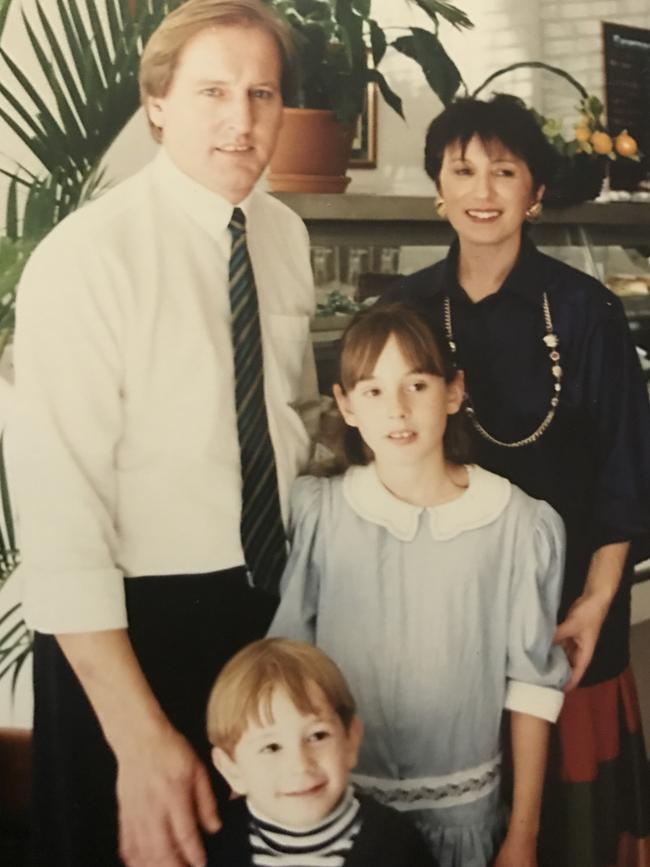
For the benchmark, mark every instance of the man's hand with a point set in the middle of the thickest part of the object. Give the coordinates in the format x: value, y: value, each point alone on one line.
x: 164, y: 795
x: 163, y: 790
x: 579, y: 633
x: 517, y: 850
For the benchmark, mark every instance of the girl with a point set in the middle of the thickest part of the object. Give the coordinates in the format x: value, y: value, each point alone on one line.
x: 434, y: 585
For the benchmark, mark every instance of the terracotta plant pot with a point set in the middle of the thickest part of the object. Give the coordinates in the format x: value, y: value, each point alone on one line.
x: 312, y: 153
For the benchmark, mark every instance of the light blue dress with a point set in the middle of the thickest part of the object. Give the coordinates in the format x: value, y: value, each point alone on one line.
x: 439, y: 618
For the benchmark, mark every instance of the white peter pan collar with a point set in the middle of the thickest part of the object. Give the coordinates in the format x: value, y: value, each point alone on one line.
x: 480, y: 504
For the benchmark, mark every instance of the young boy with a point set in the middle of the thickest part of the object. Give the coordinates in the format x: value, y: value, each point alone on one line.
x: 285, y: 734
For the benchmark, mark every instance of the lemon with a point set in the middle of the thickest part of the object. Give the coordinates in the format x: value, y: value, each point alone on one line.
x: 602, y: 142
x: 626, y: 146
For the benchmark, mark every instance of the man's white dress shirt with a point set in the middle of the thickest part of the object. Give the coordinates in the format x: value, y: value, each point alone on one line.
x: 123, y: 444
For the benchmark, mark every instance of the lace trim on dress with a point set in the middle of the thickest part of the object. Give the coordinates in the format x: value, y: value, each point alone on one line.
x: 425, y: 793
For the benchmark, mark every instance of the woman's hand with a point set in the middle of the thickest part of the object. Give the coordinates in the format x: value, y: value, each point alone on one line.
x: 517, y: 850
x: 579, y: 633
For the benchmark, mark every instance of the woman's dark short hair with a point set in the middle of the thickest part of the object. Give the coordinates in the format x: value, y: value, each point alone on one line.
x: 362, y: 344
x: 503, y: 119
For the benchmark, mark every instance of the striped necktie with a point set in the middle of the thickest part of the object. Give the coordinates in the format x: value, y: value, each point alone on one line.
x: 262, y: 532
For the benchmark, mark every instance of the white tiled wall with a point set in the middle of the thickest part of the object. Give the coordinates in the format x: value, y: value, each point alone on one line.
x: 571, y: 37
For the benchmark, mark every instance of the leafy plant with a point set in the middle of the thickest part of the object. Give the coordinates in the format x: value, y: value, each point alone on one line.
x: 15, y: 637
x: 4, y: 9
x: 340, y: 47
x: 338, y: 304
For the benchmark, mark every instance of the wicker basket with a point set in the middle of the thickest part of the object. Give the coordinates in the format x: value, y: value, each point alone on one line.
x: 577, y: 178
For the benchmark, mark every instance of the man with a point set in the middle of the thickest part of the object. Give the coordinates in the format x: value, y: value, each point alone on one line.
x: 156, y: 436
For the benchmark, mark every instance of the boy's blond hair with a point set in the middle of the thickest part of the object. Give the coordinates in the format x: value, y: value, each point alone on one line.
x: 162, y: 51
x: 244, y: 689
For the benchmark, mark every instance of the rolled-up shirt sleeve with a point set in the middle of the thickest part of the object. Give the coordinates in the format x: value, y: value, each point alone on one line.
x: 536, y: 668
x: 62, y: 436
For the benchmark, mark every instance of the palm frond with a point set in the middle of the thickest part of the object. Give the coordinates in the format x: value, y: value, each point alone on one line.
x: 15, y: 637
x: 4, y: 9
x: 91, y: 77
x: 11, y: 227
x: 15, y: 644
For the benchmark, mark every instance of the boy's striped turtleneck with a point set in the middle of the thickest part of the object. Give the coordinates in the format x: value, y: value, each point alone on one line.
x: 324, y: 845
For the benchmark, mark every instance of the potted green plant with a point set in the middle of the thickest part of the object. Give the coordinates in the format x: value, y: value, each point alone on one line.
x: 583, y: 158
x: 340, y: 48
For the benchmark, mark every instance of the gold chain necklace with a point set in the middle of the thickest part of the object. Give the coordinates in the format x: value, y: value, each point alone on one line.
x: 552, y: 343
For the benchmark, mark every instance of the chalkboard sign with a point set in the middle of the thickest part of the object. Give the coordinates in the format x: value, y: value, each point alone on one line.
x: 627, y: 94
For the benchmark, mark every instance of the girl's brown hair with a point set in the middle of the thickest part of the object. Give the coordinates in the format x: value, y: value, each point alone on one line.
x: 423, y: 348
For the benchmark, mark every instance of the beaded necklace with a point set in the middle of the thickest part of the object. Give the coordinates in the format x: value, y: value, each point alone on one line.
x: 552, y: 343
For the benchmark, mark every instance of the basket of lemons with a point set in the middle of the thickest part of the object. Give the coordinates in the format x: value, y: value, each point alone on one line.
x: 584, y: 157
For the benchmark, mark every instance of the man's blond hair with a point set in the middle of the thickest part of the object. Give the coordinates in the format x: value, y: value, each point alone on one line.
x: 163, y: 50
x: 244, y: 690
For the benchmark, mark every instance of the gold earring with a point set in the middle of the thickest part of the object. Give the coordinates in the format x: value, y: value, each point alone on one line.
x: 535, y: 211
x: 441, y: 208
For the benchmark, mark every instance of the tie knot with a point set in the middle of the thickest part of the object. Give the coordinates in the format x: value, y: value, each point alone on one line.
x: 237, y: 224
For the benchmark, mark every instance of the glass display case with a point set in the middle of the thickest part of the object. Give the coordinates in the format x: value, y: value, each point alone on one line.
x: 353, y: 236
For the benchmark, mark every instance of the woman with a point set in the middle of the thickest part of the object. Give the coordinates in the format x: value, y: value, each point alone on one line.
x: 557, y: 404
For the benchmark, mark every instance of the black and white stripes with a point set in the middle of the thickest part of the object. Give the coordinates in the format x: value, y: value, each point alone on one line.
x: 323, y: 845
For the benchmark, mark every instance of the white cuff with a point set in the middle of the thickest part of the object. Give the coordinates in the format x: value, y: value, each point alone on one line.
x: 540, y: 701
x: 88, y: 601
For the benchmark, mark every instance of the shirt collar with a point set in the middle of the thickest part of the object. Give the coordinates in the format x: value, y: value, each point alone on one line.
x: 480, y: 504
x: 524, y: 280
x: 209, y: 210
x: 335, y: 824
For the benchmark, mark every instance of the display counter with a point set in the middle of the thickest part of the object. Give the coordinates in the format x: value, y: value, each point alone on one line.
x: 353, y: 235
x: 411, y: 220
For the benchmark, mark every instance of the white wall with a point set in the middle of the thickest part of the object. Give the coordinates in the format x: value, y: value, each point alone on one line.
x: 571, y: 38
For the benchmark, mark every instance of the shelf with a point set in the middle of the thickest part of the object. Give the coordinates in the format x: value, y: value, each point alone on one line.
x: 353, y: 218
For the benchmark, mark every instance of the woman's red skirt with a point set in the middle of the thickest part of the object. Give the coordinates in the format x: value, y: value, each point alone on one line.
x: 597, y: 801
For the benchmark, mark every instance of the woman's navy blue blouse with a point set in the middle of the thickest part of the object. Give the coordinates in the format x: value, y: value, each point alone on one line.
x: 593, y: 463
